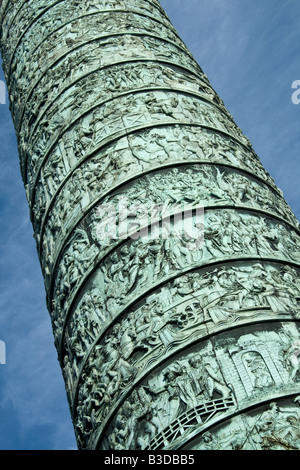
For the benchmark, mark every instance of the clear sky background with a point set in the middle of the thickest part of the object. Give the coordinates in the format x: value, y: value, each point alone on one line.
x: 250, y: 50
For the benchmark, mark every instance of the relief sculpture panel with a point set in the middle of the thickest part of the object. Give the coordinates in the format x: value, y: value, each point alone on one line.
x: 170, y: 257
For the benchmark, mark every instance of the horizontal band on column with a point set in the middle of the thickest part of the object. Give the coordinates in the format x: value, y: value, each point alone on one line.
x: 162, y: 353
x: 95, y: 13
x: 107, y: 420
x: 133, y: 91
x: 238, y: 208
x: 161, y: 282
x: 91, y: 153
x: 4, y: 12
x: 20, y: 9
x: 155, y: 168
x: 117, y: 133
x: 154, y: 5
x: 167, y: 64
x: 100, y: 38
x: 142, y: 58
x: 231, y: 414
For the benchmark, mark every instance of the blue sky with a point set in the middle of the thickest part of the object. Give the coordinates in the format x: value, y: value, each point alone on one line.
x: 250, y: 50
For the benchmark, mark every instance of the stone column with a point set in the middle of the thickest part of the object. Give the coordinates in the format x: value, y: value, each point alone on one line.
x: 175, y: 329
